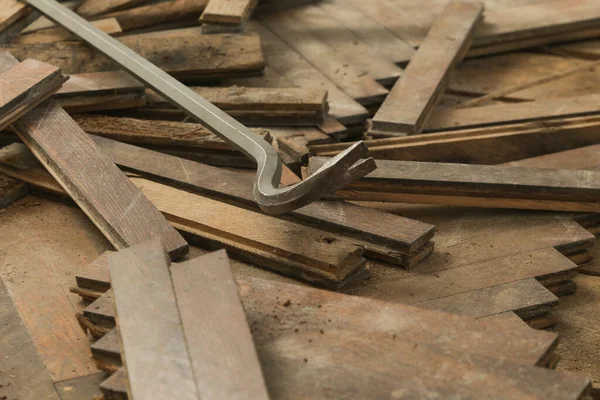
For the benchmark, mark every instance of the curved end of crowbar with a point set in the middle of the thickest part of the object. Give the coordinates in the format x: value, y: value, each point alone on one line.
x: 346, y: 167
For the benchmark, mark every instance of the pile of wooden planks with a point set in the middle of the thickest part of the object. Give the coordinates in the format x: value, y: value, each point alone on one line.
x: 448, y: 259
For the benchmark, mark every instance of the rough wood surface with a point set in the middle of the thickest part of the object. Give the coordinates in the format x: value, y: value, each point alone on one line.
x: 111, y: 82
x: 11, y: 11
x: 22, y: 372
x: 119, y: 210
x: 156, y: 13
x: 59, y: 34
x: 407, y: 108
x: 228, y: 12
x: 25, y: 86
x: 90, y: 8
x: 463, y: 184
x: 361, y: 87
x: 238, y: 54
x: 406, y: 236
x: 157, y: 361
x: 216, y: 331
x: 11, y: 190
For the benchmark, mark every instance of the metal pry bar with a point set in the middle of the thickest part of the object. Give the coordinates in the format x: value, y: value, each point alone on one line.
x: 346, y: 167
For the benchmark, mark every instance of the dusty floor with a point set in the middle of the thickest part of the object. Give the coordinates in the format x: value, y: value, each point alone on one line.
x: 578, y: 326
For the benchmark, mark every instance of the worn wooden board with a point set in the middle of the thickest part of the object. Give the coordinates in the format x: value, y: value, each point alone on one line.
x: 407, y: 108
x: 157, y: 13
x: 111, y: 82
x: 11, y: 190
x: 11, y: 11
x: 354, y: 82
x: 25, y: 86
x: 216, y: 331
x: 59, y: 34
x: 464, y: 184
x: 237, y: 55
x: 407, y: 237
x: 22, y: 373
x: 157, y: 362
x: 486, y: 145
x: 90, y: 8
x: 120, y: 211
x: 542, y: 110
x: 228, y: 12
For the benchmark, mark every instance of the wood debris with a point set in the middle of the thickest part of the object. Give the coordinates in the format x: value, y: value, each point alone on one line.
x: 451, y: 260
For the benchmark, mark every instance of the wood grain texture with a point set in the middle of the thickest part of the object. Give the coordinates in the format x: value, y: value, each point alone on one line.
x: 568, y: 189
x: 157, y: 362
x: 22, y: 374
x: 486, y: 145
x: 295, y: 69
x: 216, y: 331
x: 117, y: 208
x: 361, y: 87
x: 59, y: 34
x: 154, y: 14
x: 11, y: 11
x: 542, y: 110
x: 407, y: 109
x: 237, y: 55
x: 90, y: 8
x: 403, y: 235
x: 25, y: 86
x: 228, y: 12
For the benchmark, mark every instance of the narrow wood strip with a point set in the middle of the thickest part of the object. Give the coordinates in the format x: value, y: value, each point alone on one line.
x: 216, y: 331
x: 407, y: 109
x: 157, y: 13
x: 157, y: 362
x: 43, y: 22
x: 111, y: 82
x: 58, y: 34
x: 228, y: 12
x: 90, y: 8
x: 25, y: 86
x: 11, y: 11
x: 24, y: 375
x: 238, y: 54
x: 361, y: 87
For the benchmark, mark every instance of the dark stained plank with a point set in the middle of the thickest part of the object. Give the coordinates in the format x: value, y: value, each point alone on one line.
x: 25, y: 86
x: 216, y: 331
x: 486, y: 145
x: 407, y: 237
x: 119, y: 210
x: 507, y: 113
x: 82, y: 388
x: 157, y: 361
x: 237, y: 55
x: 22, y: 372
x: 407, y: 108
x: 478, y: 185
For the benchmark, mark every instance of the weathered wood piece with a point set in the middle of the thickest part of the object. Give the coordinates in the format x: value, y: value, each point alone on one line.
x: 361, y: 87
x: 408, y: 236
x: 486, y: 145
x: 228, y: 12
x: 117, y: 208
x: 157, y: 362
x: 85, y: 387
x: 407, y: 108
x: 25, y: 86
x: 507, y: 113
x: 157, y: 13
x: 216, y: 331
x: 22, y: 372
x: 59, y: 34
x: 90, y: 8
x: 237, y: 55
x: 11, y: 190
x: 11, y: 11
x: 285, y: 63
x: 478, y: 185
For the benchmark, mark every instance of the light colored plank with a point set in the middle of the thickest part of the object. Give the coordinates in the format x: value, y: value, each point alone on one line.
x: 407, y: 108
x: 229, y: 12
x: 59, y: 34
x: 216, y: 331
x: 157, y: 361
x: 11, y: 11
x: 90, y: 8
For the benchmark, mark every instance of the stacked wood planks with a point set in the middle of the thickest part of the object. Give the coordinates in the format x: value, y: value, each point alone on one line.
x: 483, y: 120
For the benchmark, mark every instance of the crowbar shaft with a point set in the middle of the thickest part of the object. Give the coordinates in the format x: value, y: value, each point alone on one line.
x: 346, y: 167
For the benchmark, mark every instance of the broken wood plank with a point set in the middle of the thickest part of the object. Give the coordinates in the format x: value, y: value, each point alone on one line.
x: 486, y: 145
x: 408, y: 237
x: 219, y: 341
x: 22, y: 374
x: 90, y: 8
x: 58, y: 34
x: 237, y: 55
x: 477, y: 185
x: 541, y: 110
x: 25, y: 86
x: 157, y: 362
x: 361, y: 87
x: 408, y: 107
x: 228, y: 12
